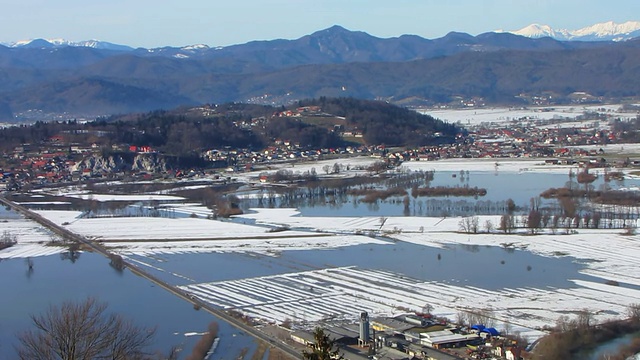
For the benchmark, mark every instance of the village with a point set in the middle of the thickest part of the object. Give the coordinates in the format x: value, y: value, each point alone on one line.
x: 581, y: 140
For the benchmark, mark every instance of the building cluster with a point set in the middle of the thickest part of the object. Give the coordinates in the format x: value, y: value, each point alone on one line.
x: 54, y: 161
x: 525, y: 138
x: 415, y: 336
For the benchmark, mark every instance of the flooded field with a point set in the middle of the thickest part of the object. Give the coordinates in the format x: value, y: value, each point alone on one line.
x: 314, y: 254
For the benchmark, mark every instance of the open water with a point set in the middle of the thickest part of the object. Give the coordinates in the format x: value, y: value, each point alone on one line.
x: 54, y: 280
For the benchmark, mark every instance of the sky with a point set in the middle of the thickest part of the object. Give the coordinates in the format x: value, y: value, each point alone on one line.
x: 157, y: 23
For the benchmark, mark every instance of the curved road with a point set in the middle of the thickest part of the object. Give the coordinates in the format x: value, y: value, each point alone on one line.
x: 223, y: 315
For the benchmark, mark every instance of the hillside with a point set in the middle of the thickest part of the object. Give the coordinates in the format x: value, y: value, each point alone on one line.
x: 187, y: 131
x: 495, y: 67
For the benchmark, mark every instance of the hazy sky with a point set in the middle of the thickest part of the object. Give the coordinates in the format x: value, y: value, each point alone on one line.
x: 154, y: 23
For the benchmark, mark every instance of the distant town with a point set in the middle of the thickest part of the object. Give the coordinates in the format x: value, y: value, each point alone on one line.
x: 62, y: 158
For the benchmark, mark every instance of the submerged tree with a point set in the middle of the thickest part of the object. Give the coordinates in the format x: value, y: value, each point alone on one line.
x: 83, y: 330
x: 203, y: 347
x: 323, y: 348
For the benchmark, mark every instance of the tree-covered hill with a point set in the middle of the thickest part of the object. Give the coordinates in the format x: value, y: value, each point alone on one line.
x: 384, y: 123
x: 188, y: 131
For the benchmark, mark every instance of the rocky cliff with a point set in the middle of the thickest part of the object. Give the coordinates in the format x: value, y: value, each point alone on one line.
x: 152, y: 163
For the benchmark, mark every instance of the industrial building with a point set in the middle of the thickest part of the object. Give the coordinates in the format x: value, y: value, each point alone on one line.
x: 402, y: 337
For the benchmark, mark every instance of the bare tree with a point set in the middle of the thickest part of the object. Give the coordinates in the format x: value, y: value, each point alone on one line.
x: 633, y: 311
x: 488, y: 226
x: 534, y: 221
x: 469, y: 224
x: 596, y: 220
x: 507, y: 223
x: 564, y: 324
x: 461, y: 318
x: 482, y: 316
x: 427, y: 309
x: 323, y: 349
x: 83, y: 330
x: 584, y: 320
x: 554, y: 224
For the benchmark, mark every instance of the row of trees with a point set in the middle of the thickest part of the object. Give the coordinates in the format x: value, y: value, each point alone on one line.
x: 573, y: 337
x: 536, y: 221
x: 565, y: 217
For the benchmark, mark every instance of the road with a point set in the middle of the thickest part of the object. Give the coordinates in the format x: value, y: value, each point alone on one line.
x: 221, y: 314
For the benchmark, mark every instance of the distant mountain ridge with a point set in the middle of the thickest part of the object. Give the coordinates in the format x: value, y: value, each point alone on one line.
x: 606, y: 31
x: 52, y: 43
x: 497, y: 67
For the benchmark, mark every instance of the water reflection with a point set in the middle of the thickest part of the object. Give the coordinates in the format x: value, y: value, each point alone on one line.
x: 502, y: 189
x: 487, y: 267
x: 73, y: 254
x: 56, y: 280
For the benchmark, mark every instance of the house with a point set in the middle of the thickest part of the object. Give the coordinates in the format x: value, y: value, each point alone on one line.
x: 513, y: 353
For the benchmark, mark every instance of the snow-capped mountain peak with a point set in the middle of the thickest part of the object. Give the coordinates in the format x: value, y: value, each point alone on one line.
x: 58, y: 42
x: 606, y: 31
x: 536, y: 30
x: 195, y: 47
x: 609, y: 29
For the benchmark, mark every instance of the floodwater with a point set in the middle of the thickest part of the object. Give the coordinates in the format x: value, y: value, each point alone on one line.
x: 501, y: 186
x: 54, y: 280
x: 481, y: 266
x: 612, y: 347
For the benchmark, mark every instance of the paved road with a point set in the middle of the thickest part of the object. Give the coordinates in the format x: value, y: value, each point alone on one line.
x: 223, y: 315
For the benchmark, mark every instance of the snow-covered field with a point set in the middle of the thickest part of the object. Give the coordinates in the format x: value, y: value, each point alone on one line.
x: 609, y: 255
x: 146, y: 235
x: 270, y: 246
x: 337, y: 293
x: 109, y: 197
x: 619, y: 149
x: 158, y: 229
x: 31, y: 239
x: 470, y: 117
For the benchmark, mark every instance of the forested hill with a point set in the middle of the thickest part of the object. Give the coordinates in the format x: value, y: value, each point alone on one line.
x: 384, y: 123
x: 310, y: 124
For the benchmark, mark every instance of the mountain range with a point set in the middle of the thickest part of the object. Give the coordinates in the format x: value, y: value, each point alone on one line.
x: 93, y: 78
x: 607, y: 31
